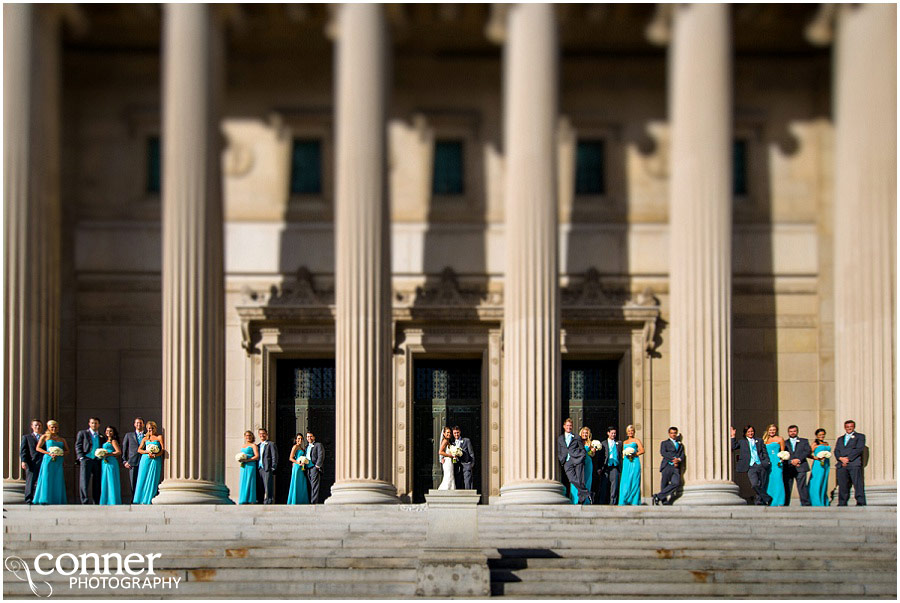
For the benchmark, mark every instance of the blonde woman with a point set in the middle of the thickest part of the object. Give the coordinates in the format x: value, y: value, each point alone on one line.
x: 775, y: 444
x: 150, y: 468
x: 248, y: 470
x: 586, y: 438
x: 51, y: 483
x: 630, y: 487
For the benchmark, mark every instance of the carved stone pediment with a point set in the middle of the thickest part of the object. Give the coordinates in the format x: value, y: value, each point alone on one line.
x: 447, y: 292
x: 589, y: 292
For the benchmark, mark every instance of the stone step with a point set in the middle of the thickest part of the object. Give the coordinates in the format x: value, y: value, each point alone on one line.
x: 260, y: 575
x: 570, y: 576
x: 691, y: 590
x: 887, y: 563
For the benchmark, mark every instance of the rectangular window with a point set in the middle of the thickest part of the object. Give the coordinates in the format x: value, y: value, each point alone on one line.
x: 448, y: 168
x: 739, y: 167
x: 306, y: 167
x: 590, y: 168
x: 154, y: 165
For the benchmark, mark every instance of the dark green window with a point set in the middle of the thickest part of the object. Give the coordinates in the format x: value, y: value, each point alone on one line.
x: 739, y: 167
x: 448, y: 168
x: 306, y: 167
x: 154, y: 165
x: 590, y: 168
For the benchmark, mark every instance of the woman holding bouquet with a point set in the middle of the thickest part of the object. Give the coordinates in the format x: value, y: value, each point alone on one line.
x: 585, y: 434
x: 110, y: 490
x: 818, y: 481
x: 630, y: 487
x: 51, y: 484
x: 150, y: 469
x: 249, y: 463
x: 298, y: 494
x: 775, y: 446
x: 445, y: 458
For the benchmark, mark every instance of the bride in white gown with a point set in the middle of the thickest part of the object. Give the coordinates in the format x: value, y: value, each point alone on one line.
x: 446, y: 461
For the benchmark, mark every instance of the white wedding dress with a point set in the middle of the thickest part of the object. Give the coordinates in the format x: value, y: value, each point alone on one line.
x: 449, y: 482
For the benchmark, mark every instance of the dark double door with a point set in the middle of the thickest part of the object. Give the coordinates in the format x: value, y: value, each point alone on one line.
x: 590, y: 395
x: 305, y: 401
x: 447, y: 392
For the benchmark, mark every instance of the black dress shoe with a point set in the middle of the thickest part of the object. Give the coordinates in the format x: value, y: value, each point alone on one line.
x: 655, y: 500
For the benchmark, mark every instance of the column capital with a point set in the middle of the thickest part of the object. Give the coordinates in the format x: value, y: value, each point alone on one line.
x: 820, y: 30
x: 659, y: 29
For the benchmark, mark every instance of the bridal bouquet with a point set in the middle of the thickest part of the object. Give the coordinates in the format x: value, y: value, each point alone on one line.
x: 629, y: 453
x: 783, y: 456
x: 456, y: 451
x: 153, y: 448
x: 101, y: 453
x: 303, y: 462
x: 241, y: 457
x: 595, y: 446
x: 55, y: 451
x: 822, y: 456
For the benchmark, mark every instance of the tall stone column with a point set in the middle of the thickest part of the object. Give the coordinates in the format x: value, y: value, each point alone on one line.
x: 865, y: 236
x: 363, y: 262
x: 530, y: 412
x: 193, y: 418
x: 700, y: 248
x: 31, y: 207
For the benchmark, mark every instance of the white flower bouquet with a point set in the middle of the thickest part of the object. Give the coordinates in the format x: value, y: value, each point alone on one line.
x: 153, y: 448
x: 456, y: 451
x: 303, y: 462
x: 822, y: 456
x: 241, y: 457
x: 595, y: 446
x: 101, y: 454
x: 783, y: 456
x: 629, y: 452
x: 55, y: 451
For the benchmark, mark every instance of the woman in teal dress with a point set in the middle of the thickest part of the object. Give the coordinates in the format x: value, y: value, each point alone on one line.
x: 248, y: 470
x: 775, y: 444
x: 818, y: 480
x: 299, y: 491
x: 630, y: 486
x: 110, y: 490
x: 51, y: 483
x: 150, y: 469
x: 585, y: 435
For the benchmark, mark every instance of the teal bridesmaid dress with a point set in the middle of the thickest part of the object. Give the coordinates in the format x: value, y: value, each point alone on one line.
x: 110, y: 492
x: 51, y: 484
x: 149, y: 476
x: 248, y: 479
x: 630, y: 486
x: 588, y: 477
x: 299, y: 491
x: 775, y: 489
x: 818, y: 481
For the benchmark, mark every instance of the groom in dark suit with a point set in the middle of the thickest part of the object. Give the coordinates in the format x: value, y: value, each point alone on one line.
x: 466, y: 463
x: 571, y: 454
x: 315, y: 452
x: 31, y: 458
x: 797, y: 467
x: 610, y: 466
x: 131, y: 441
x: 268, y: 463
x: 86, y: 442
x: 672, y: 453
x: 754, y: 461
x: 848, y: 450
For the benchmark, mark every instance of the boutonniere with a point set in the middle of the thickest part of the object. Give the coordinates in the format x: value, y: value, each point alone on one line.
x: 852, y: 436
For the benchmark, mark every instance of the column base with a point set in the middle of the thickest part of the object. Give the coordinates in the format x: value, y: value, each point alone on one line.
x: 711, y: 493
x: 535, y: 492
x: 881, y: 495
x: 362, y: 492
x: 192, y: 492
x: 13, y: 492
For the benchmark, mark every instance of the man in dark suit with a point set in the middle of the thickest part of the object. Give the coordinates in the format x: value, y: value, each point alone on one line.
x: 466, y: 463
x: 754, y: 461
x: 31, y: 458
x: 86, y: 442
x: 571, y: 454
x: 268, y: 463
x: 848, y: 450
x: 131, y: 441
x: 609, y: 468
x: 797, y: 467
x: 315, y: 452
x: 672, y: 453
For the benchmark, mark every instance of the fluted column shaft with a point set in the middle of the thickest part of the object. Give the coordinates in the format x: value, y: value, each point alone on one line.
x: 31, y: 208
x: 192, y: 280
x: 531, y: 321
x: 700, y: 248
x: 865, y: 236
x: 363, y: 262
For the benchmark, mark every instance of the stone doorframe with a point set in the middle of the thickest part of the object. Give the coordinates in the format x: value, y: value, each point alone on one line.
x: 439, y: 341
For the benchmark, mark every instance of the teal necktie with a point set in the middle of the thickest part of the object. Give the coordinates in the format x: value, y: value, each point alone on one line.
x: 846, y: 439
x: 95, y: 444
x: 569, y: 437
x: 613, y: 461
x: 754, y: 456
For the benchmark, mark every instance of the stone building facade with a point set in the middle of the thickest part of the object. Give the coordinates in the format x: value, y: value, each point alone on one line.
x: 373, y: 220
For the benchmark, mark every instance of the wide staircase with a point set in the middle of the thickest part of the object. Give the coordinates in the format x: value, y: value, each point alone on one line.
x: 557, y: 552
